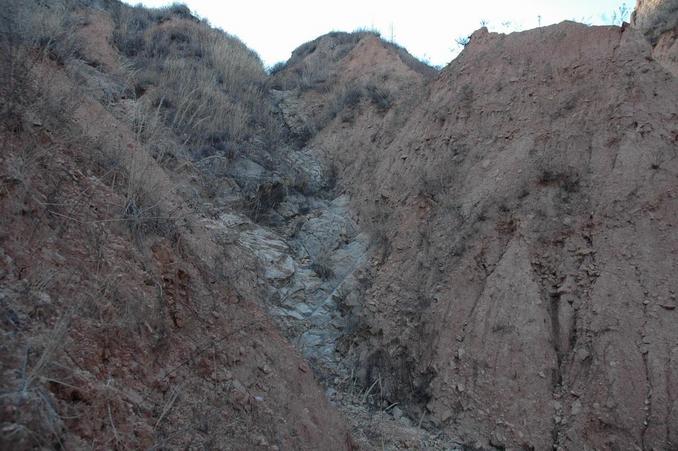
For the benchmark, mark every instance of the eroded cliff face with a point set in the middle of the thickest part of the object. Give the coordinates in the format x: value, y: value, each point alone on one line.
x: 523, y: 290
x: 658, y: 21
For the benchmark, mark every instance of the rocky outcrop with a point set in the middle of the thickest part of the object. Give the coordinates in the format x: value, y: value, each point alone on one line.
x: 655, y: 17
x: 658, y: 21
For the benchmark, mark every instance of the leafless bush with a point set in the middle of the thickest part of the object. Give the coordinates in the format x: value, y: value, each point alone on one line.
x: 36, y: 423
x: 53, y: 27
x: 322, y: 265
x: 51, y: 345
x: 30, y: 33
x: 135, y: 173
x: 131, y: 23
x: 375, y: 217
x: 276, y: 68
x: 267, y: 196
x: 462, y: 41
x: 315, y: 74
x: 150, y: 131
x: 351, y: 97
x: 47, y: 27
x: 145, y: 196
x: 380, y: 97
x: 343, y: 101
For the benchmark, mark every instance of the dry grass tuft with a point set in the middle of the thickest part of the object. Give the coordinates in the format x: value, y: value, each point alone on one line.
x: 187, y: 72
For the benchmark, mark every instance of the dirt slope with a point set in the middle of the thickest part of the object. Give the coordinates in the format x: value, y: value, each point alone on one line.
x: 128, y: 324
x: 527, y: 296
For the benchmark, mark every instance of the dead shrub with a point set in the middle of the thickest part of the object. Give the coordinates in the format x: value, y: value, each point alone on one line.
x: 322, y: 265
x: 379, y: 97
x: 277, y: 68
x: 375, y: 217
x: 267, y: 196
x: 188, y: 71
x: 143, y: 209
x: 351, y: 97
x: 569, y: 182
x: 131, y: 24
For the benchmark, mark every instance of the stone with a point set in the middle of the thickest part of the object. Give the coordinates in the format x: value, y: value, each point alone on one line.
x: 271, y: 251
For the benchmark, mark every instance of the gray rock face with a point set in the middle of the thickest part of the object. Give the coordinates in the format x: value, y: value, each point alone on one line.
x: 655, y: 17
x: 310, y: 175
x: 246, y: 171
x: 292, y: 112
x: 307, y: 305
x: 328, y: 234
x: 311, y: 253
x: 272, y: 252
x: 326, y: 230
x: 294, y: 205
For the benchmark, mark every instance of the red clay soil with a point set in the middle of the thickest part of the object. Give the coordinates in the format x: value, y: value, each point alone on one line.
x: 527, y: 296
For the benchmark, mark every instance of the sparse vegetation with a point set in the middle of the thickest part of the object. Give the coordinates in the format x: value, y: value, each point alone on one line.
x: 277, y: 68
x: 143, y: 208
x: 462, y: 41
x: 266, y: 196
x: 351, y: 97
x: 306, y: 71
x: 379, y: 97
x: 31, y: 34
x: 187, y: 71
x: 375, y: 219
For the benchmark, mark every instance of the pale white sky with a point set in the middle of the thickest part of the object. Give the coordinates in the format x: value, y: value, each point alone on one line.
x: 427, y: 28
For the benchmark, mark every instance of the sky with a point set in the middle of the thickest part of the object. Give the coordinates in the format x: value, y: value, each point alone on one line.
x: 426, y: 28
